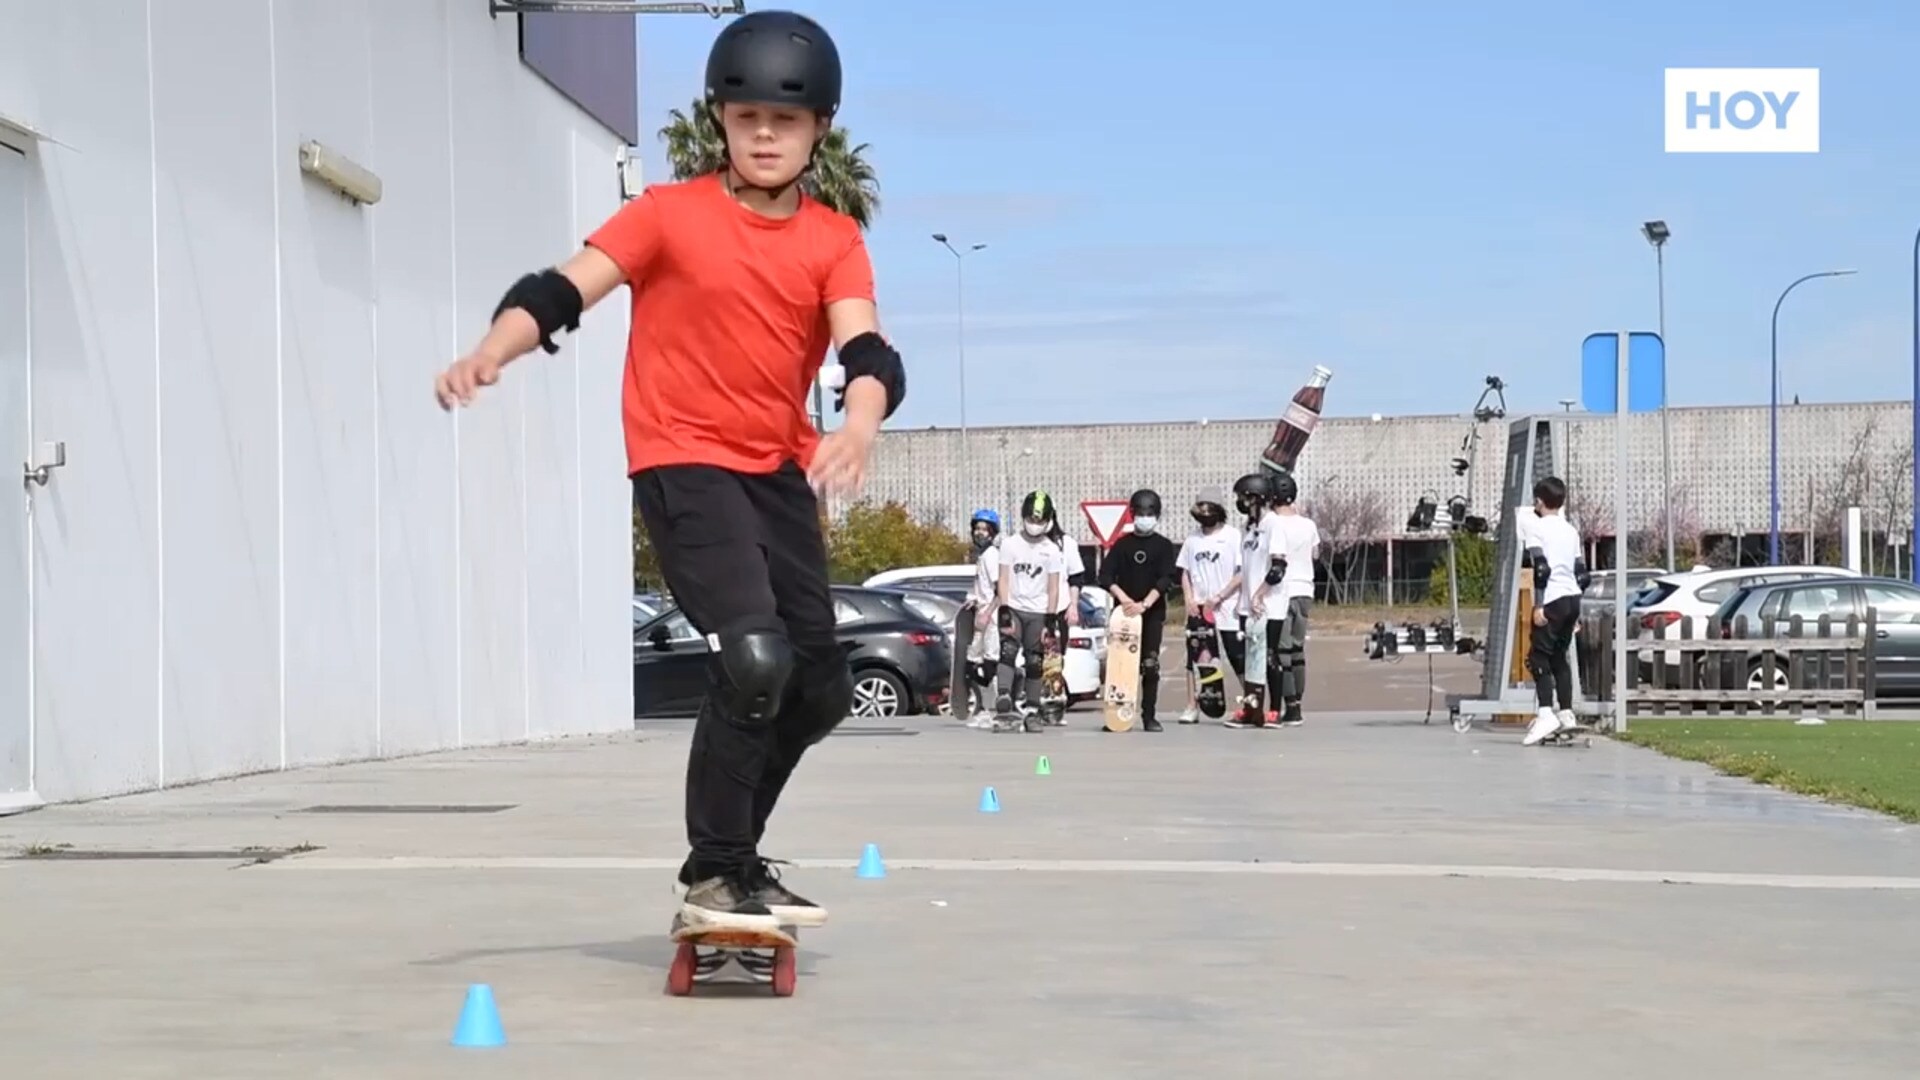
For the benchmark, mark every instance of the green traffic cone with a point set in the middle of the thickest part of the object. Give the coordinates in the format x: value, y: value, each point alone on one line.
x: 1043, y: 767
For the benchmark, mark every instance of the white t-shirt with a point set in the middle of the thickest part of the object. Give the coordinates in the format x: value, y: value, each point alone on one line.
x: 1556, y: 536
x: 1254, y: 548
x: 1030, y: 562
x: 1070, y: 564
x: 1210, y: 560
x: 986, y: 575
x: 1295, y: 538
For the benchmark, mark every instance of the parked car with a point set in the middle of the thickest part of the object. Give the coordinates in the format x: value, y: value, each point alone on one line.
x: 900, y: 660
x: 1668, y: 600
x: 645, y: 606
x: 1085, y: 661
x: 1896, y: 609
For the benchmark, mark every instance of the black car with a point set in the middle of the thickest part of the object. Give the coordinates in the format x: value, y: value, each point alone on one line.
x: 900, y: 659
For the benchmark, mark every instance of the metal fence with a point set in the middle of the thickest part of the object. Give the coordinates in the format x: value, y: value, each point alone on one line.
x: 1789, y: 667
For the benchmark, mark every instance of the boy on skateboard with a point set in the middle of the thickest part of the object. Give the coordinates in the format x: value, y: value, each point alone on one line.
x: 1555, y: 553
x: 1138, y: 571
x: 1029, y: 594
x: 739, y: 282
x: 1209, y: 564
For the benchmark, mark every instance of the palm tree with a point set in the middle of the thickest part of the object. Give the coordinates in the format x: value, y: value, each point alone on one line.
x: 840, y: 177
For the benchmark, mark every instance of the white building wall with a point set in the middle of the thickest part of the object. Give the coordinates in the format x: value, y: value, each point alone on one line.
x: 269, y: 546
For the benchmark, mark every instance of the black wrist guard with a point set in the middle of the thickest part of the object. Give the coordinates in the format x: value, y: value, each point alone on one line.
x: 1581, y: 576
x: 551, y: 298
x: 1276, y: 571
x: 870, y: 355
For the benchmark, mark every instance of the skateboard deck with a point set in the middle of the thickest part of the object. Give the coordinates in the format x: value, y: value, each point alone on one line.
x: 1053, y: 678
x: 702, y: 953
x: 959, y: 679
x: 1579, y: 735
x: 1120, y: 695
x: 1209, y: 676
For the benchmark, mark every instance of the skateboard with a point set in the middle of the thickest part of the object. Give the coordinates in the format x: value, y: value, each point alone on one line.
x: 1053, y: 678
x: 959, y: 678
x: 1578, y: 734
x: 762, y: 955
x: 1121, y: 693
x: 1208, y: 675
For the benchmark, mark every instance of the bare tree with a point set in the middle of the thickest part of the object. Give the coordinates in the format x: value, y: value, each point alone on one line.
x: 1849, y: 486
x: 1648, y: 547
x: 1350, y: 519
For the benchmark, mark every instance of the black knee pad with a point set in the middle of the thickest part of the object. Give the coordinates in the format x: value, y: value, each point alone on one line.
x: 750, y: 666
x: 1009, y: 649
x: 1538, y: 665
x: 1149, y: 665
x: 823, y: 696
x: 1033, y: 667
x: 982, y: 673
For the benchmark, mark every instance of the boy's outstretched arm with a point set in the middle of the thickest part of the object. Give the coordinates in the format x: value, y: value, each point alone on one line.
x: 532, y: 311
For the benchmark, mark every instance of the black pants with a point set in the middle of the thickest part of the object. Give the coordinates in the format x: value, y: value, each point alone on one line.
x: 1153, y: 628
x: 742, y: 555
x: 1547, y: 656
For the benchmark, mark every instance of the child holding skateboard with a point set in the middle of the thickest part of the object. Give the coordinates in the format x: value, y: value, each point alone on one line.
x: 739, y: 282
x: 974, y: 640
x: 1138, y: 571
x: 1555, y: 553
x: 1029, y: 594
x: 1294, y: 542
x: 1259, y: 574
x: 1209, y: 565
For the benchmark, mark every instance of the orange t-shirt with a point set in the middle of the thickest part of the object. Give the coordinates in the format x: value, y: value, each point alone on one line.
x: 729, y: 323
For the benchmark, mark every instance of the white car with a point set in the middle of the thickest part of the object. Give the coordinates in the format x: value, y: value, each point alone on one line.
x: 1670, y: 598
x: 1085, y: 662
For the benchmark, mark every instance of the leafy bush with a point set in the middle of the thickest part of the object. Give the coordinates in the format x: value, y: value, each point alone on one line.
x: 1476, y: 558
x: 866, y: 541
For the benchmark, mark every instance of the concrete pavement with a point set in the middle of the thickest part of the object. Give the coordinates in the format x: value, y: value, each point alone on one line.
x: 1366, y: 896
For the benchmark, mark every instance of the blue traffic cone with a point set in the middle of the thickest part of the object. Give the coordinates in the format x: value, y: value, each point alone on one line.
x: 989, y: 802
x: 479, y: 1020
x: 870, y: 864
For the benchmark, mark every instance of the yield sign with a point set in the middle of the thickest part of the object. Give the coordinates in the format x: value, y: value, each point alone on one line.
x: 1106, y: 517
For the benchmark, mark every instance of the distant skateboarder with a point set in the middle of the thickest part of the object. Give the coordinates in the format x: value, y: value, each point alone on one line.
x: 1555, y: 553
x: 1138, y: 571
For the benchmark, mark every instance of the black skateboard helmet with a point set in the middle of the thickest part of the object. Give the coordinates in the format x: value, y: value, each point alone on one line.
x: 1144, y: 503
x: 1252, y: 491
x: 775, y: 58
x: 1285, y: 488
x: 1038, y: 509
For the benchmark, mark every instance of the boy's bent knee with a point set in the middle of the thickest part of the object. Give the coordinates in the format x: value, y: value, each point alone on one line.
x: 751, y: 663
x: 823, y: 696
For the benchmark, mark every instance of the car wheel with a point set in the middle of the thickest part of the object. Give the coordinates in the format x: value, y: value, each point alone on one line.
x: 879, y: 693
x: 1766, y: 675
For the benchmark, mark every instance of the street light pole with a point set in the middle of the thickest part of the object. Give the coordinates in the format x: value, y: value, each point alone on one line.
x: 1657, y: 234
x: 960, y: 333
x: 1773, y: 420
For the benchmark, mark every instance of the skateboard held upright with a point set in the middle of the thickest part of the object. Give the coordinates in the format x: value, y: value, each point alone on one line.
x: 959, y: 674
x: 1208, y: 675
x: 1121, y: 692
x: 1053, y: 677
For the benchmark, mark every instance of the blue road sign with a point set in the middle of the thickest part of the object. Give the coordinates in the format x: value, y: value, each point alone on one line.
x: 1600, y: 372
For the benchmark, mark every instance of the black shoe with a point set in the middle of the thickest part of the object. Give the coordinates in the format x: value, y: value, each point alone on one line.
x: 783, y: 903
x: 1150, y: 724
x: 726, y: 901
x: 1292, y: 717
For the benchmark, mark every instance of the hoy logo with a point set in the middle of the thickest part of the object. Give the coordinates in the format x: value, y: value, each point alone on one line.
x: 1743, y: 110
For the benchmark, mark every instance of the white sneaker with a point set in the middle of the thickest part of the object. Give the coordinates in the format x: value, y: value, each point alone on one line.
x: 1190, y: 715
x: 1567, y: 719
x: 1544, y: 724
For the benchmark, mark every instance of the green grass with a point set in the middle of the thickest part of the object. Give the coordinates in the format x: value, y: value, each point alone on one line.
x: 1873, y: 765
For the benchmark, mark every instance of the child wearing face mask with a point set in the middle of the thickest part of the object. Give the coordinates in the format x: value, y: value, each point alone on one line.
x: 1031, y: 583
x: 1209, y: 566
x: 1139, y: 572
x: 973, y: 625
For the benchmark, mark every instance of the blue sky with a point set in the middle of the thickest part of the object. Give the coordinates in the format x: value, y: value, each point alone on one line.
x: 1184, y: 214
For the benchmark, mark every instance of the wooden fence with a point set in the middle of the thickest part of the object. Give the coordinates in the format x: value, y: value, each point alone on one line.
x: 1781, y: 668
